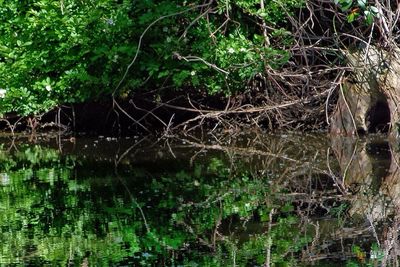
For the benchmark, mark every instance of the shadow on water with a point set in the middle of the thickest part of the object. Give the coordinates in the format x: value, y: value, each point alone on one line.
x: 243, y: 200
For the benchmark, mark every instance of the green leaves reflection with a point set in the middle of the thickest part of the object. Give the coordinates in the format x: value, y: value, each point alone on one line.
x: 47, y: 214
x: 58, y: 209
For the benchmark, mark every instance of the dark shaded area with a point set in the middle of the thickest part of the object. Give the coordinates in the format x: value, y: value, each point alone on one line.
x: 378, y: 117
x: 380, y: 152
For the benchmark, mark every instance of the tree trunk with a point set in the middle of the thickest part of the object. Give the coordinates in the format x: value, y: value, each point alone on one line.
x: 369, y: 100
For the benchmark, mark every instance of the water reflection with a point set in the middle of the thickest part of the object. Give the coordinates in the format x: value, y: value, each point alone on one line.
x: 245, y: 200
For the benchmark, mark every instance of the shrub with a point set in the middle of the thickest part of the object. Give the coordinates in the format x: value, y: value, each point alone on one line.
x: 55, y: 52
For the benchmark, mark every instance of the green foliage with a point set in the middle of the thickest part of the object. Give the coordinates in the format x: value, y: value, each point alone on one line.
x: 47, y: 216
x: 356, y: 9
x: 52, y: 214
x: 376, y: 256
x: 54, y: 52
x: 274, y: 12
x: 60, y: 51
x: 340, y: 210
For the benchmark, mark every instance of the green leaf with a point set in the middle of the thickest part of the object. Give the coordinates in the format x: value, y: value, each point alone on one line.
x: 362, y: 3
x: 351, y: 17
x: 374, y: 10
x: 27, y: 43
x: 163, y: 73
x: 345, y: 5
x: 369, y: 17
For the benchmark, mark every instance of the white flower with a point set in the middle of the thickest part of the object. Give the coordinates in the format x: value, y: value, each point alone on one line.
x: 193, y: 73
x: 231, y: 50
x: 48, y: 87
x: 110, y: 22
x: 4, y: 179
x: 2, y: 92
x: 115, y: 59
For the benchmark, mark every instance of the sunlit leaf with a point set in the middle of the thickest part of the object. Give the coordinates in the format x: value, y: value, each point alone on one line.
x: 362, y: 3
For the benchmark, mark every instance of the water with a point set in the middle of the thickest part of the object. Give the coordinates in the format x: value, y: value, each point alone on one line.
x: 234, y: 200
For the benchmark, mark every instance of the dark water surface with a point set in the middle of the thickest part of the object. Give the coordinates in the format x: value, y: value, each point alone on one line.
x: 231, y: 200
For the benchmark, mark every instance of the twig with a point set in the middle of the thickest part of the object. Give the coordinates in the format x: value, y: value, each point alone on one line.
x: 115, y: 103
x: 196, y: 58
x: 269, y: 240
x: 350, y: 111
x: 264, y: 25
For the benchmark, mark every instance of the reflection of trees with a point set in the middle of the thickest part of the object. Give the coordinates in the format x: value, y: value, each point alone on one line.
x: 371, y: 168
x: 295, y: 169
x: 58, y: 210
x: 364, y: 166
x: 49, y: 216
x: 354, y: 177
x: 233, y: 199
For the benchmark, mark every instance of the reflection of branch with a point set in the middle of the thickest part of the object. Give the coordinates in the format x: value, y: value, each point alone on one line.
x: 133, y: 199
x: 336, y: 180
x: 208, y: 201
x: 217, y: 224
x: 239, y: 150
x: 323, y: 196
x: 170, y: 149
x: 391, y: 246
x: 190, y: 230
x: 269, y: 241
x: 312, y: 248
x: 252, y: 151
x: 371, y: 222
x: 123, y: 155
x: 349, y: 163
